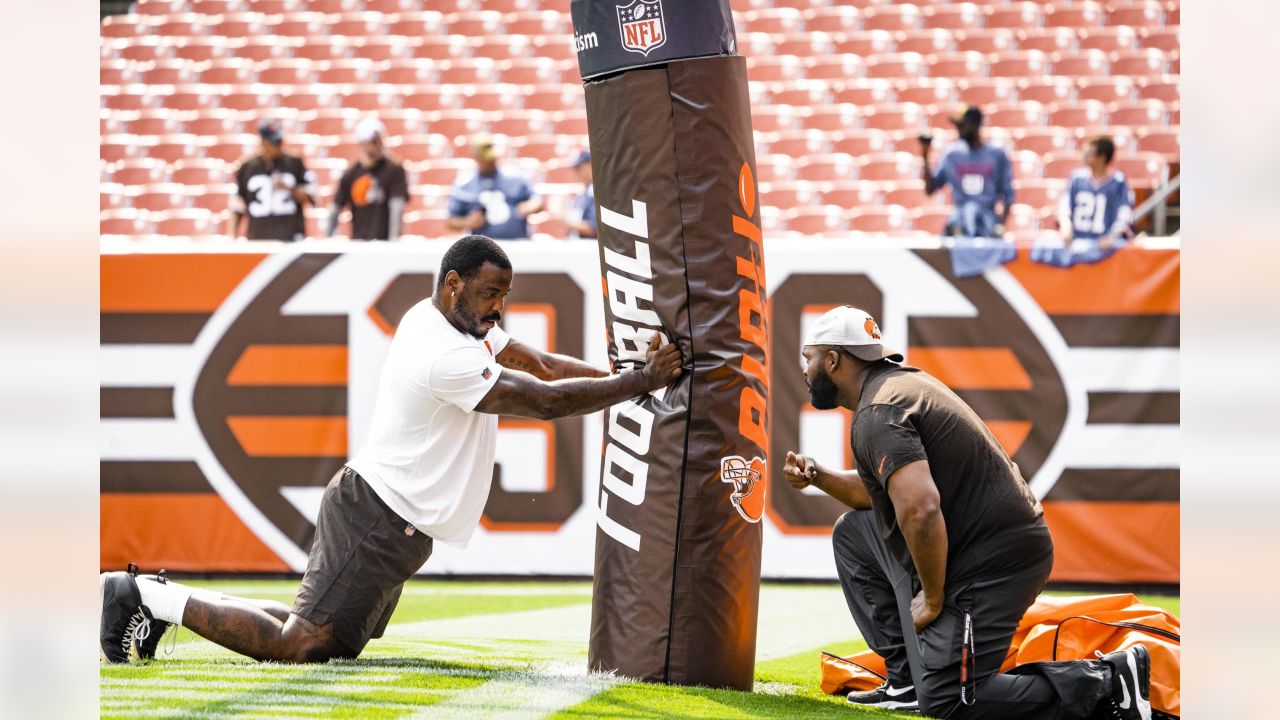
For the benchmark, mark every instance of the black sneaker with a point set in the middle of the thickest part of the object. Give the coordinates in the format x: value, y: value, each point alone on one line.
x: 886, y: 696
x: 121, y: 602
x: 147, y: 631
x: 1130, y: 683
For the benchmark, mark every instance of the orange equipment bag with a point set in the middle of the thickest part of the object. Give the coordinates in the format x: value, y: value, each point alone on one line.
x: 1060, y: 628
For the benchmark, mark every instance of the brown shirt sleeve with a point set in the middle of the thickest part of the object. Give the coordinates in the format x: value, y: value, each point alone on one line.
x: 885, y: 439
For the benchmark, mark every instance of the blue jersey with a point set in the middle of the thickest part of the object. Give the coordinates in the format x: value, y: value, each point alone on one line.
x: 497, y: 194
x: 584, y: 208
x: 1095, y: 209
x: 977, y: 178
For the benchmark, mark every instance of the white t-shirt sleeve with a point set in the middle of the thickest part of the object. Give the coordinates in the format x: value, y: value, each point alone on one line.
x: 497, y: 339
x: 462, y: 377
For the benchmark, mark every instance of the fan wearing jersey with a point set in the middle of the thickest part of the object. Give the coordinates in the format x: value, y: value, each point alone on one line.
x: 979, y: 175
x: 374, y: 188
x: 272, y: 188
x: 1098, y: 206
x: 422, y: 476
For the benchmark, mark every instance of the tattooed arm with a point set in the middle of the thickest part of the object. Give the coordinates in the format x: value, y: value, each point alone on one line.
x: 545, y: 366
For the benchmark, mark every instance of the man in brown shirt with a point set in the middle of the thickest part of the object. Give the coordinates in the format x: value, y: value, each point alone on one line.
x: 374, y: 187
x: 946, y: 547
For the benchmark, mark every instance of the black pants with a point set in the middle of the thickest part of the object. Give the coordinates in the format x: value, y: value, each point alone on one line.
x: 879, y: 593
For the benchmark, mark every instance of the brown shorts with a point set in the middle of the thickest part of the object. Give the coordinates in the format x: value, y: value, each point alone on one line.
x: 361, y: 556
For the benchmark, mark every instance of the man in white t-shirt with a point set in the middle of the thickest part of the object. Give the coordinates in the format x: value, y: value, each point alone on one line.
x: 422, y: 476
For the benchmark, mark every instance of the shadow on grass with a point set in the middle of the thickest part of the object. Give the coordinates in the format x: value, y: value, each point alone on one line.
x: 643, y: 700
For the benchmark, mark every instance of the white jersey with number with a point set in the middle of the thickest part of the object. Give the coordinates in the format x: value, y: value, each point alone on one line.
x: 430, y: 455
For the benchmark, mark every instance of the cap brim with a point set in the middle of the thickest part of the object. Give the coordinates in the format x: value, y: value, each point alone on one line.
x: 872, y: 353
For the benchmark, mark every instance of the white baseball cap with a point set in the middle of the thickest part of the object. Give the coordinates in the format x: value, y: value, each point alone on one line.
x: 854, y: 330
x: 369, y: 128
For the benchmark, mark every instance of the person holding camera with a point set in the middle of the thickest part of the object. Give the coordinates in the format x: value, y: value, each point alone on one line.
x: 493, y: 202
x: 979, y: 174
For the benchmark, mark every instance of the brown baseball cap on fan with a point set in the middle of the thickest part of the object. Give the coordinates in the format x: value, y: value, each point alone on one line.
x: 855, y: 331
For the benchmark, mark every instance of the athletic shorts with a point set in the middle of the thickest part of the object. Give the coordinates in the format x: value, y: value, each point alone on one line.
x: 362, y: 554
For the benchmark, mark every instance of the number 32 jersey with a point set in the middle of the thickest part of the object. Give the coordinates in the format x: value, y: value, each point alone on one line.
x: 264, y: 192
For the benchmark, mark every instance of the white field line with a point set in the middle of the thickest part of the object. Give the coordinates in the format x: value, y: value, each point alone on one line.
x: 514, y: 695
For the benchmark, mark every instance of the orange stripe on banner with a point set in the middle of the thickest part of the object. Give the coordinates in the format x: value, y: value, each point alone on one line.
x: 195, y: 532
x: 277, y: 436
x: 291, y: 365
x: 171, y: 283
x: 1010, y: 433
x: 1131, y: 282
x: 972, y: 368
x: 1114, y: 541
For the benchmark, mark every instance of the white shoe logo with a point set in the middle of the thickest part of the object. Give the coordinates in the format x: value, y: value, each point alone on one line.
x: 895, y: 692
x: 1124, y: 688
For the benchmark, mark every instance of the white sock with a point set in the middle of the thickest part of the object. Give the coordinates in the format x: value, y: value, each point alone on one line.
x: 166, y: 600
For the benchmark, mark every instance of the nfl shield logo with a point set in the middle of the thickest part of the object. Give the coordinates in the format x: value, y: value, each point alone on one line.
x: 640, y: 24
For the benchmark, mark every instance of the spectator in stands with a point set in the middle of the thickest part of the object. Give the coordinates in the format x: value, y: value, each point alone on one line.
x: 979, y: 174
x: 493, y: 202
x: 1098, y: 204
x: 581, y: 217
x: 272, y: 188
x: 374, y: 187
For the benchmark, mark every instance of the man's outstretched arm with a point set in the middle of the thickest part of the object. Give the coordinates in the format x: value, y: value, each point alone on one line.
x: 524, y: 395
x: 543, y: 365
x: 843, y: 485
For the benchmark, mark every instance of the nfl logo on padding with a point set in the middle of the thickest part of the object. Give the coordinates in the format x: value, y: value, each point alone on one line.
x: 641, y: 27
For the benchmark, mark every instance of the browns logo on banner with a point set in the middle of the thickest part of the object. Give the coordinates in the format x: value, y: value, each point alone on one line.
x: 684, y: 476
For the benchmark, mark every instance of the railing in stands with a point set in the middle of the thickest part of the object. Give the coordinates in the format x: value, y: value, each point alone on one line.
x: 1157, y: 205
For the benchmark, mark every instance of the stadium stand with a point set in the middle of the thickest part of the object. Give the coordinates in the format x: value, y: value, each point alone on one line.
x: 839, y: 95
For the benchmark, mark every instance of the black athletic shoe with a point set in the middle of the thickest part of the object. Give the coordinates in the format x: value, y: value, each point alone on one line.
x: 1130, y: 683
x: 147, y: 631
x: 121, y: 602
x: 886, y: 696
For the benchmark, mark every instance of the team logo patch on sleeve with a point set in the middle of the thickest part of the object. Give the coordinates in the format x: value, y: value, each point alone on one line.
x: 486, y: 373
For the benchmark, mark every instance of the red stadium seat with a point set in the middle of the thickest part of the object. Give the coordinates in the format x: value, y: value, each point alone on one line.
x: 158, y: 7
x: 926, y: 42
x: 128, y: 98
x: 228, y: 71
x: 850, y: 194
x: 1047, y: 90
x: 552, y: 98
x: 240, y: 25
x: 191, y: 223
x: 135, y: 171
x: 777, y: 118
x: 1048, y: 40
x: 1079, y: 114
x: 834, y: 68
x: 468, y: 71
x: 286, y: 72
x: 897, y: 65
x: 958, y: 16
x: 172, y: 148
x: 218, y: 7
x: 1142, y: 112
x: 570, y: 122
x: 863, y: 44
x: 833, y: 118
x: 112, y: 196
x: 474, y: 23
x: 1161, y: 38
x: 1107, y: 90
x: 1026, y: 113
x: 958, y: 65
x: 403, y: 122
x: 889, y: 167
x: 145, y: 49
x: 1040, y: 193
x: 909, y: 194
x: 1083, y: 14
x: 1080, y: 63
x: 522, y: 123
x: 865, y: 92
x: 333, y: 7
x: 808, y: 93
x: 775, y: 168
x: 382, y: 49
x: 200, y: 50
x: 454, y: 123
x: 773, y: 20
x: 214, y: 122
x: 1173, y: 13
x: 116, y: 72
x: 987, y: 41
x: 928, y: 91
x: 841, y: 18
x: 798, y: 143
x: 1164, y: 89
x: 538, y: 22
x: 112, y: 124
x: 123, y: 221
x: 325, y: 49
x: 892, y: 18
x: 420, y: 148
x: 1143, y: 13
x: 1015, y: 16
x: 982, y: 92
x: 1162, y: 140
x: 417, y: 24
x: 780, y: 68
x: 347, y: 72
x: 1061, y: 164
x: 161, y: 197
x: 930, y: 218
x: 298, y: 25
x: 180, y: 25
x: 201, y: 171
x: 787, y: 195
x: 1140, y: 63
x: 1026, y: 164
x: 1109, y: 39
x: 357, y: 24
x: 890, y: 219
x: 167, y: 72
x: 529, y: 71
x: 410, y: 71
x: 826, y: 168
x: 894, y: 117
x: 444, y: 171
x: 1044, y: 140
x: 231, y: 148
x: 123, y: 26
x: 1143, y: 167
x: 260, y: 49
x: 116, y: 148
x: 816, y: 220
x: 430, y: 223
x: 338, y: 122
x: 275, y: 7
x: 1025, y: 64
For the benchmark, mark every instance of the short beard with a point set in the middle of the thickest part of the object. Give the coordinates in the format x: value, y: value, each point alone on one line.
x: 469, y: 319
x: 823, y: 391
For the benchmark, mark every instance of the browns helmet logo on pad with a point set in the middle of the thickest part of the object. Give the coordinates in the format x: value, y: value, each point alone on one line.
x: 747, y: 478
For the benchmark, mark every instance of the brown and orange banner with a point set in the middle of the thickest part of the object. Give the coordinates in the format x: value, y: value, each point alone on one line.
x: 236, y: 378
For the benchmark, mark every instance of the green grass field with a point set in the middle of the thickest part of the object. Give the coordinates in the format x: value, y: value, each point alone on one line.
x: 492, y: 651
